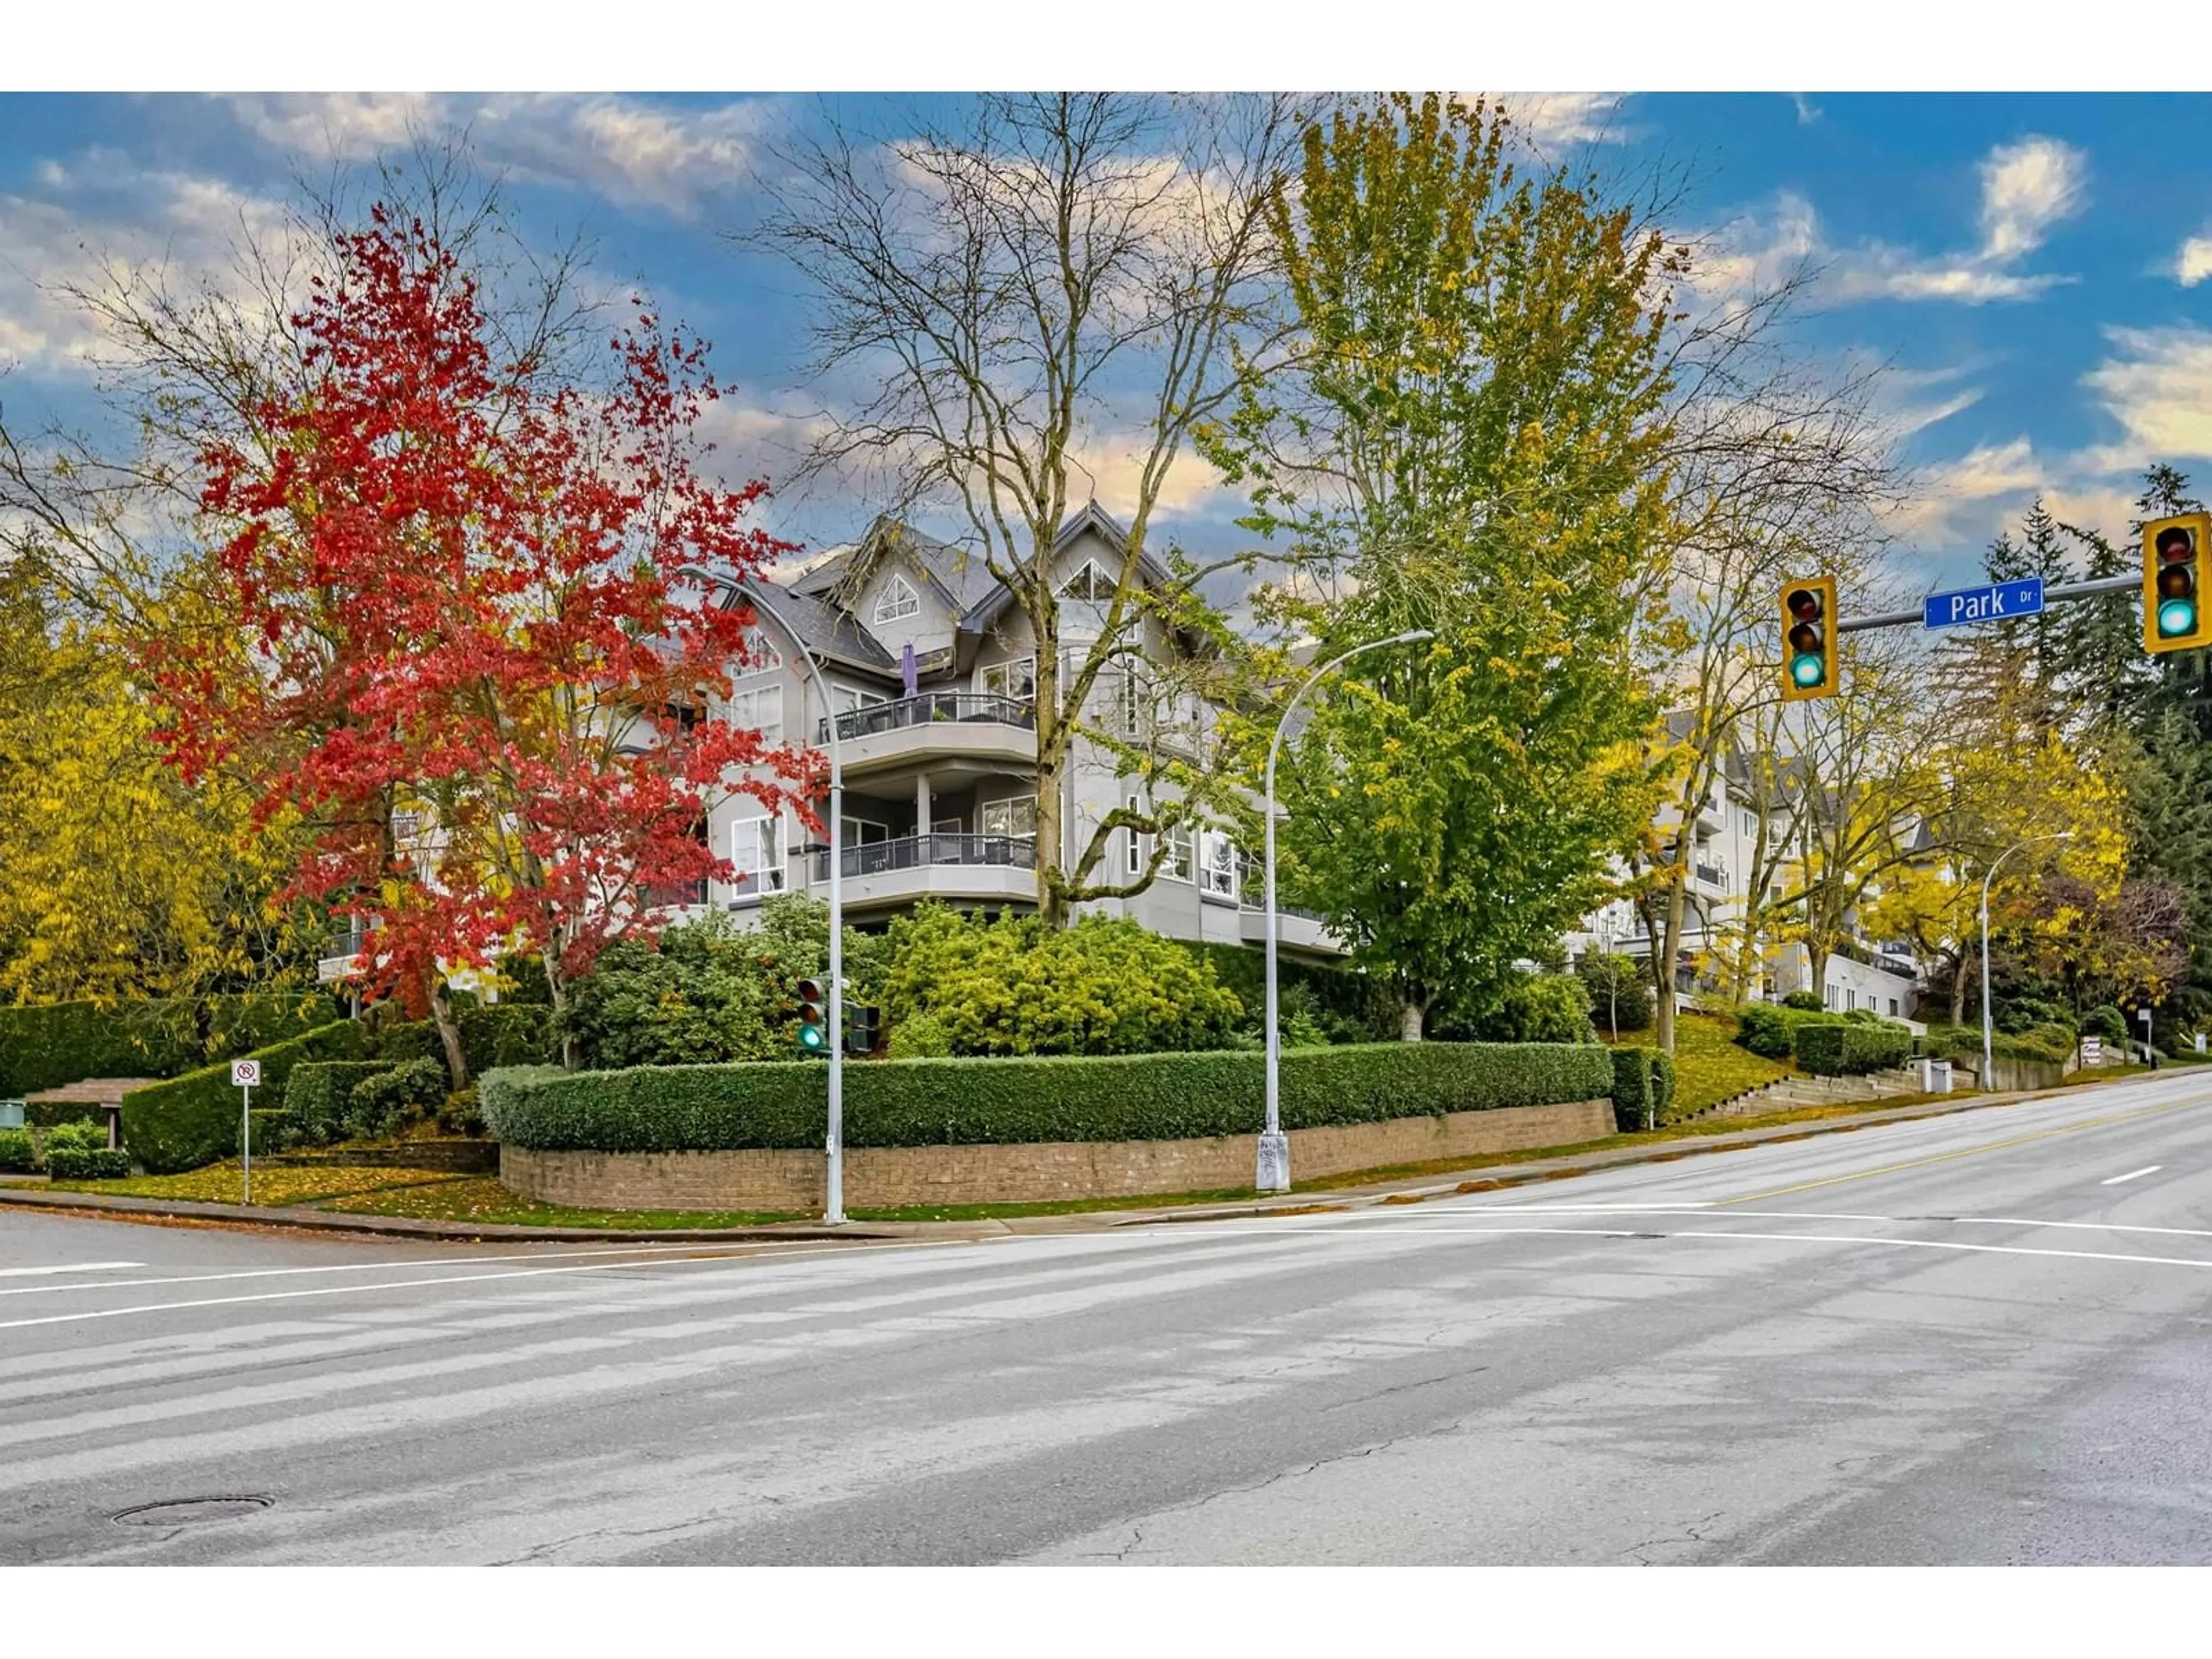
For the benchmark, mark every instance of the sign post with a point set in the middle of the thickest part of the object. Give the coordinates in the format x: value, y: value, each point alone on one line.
x: 245, y: 1073
x: 2150, y: 1055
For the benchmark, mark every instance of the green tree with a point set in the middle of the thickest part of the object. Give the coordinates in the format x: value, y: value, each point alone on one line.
x: 1469, y: 439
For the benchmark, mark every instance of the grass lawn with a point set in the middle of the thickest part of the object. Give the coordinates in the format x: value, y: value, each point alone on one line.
x: 479, y: 1198
x: 274, y: 1184
x: 1709, y: 1067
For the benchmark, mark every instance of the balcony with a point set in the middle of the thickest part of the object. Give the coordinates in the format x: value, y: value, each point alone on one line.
x: 1711, y: 875
x: 1296, y: 929
x: 997, y: 868
x: 675, y: 895
x: 936, y: 726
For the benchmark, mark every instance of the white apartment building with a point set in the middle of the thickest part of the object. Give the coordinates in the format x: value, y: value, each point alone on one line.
x: 932, y: 672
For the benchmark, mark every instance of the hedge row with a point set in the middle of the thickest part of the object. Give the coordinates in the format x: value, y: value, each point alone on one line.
x: 319, y: 1095
x: 46, y: 1046
x: 1336, y: 991
x: 492, y: 1036
x: 1846, y: 1050
x: 193, y: 1119
x: 1770, y: 1030
x: 918, y: 1102
x: 1643, y: 1088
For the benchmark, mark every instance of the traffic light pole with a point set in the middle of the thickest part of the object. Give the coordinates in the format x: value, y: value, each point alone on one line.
x: 833, y: 1203
x: 2088, y: 590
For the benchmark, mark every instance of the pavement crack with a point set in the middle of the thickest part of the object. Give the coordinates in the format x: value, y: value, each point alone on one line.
x: 1691, y: 1534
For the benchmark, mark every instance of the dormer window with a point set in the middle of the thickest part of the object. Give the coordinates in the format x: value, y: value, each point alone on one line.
x: 896, y: 602
x: 1088, y: 583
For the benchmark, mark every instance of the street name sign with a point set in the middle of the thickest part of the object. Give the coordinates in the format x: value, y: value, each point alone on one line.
x: 1998, y: 602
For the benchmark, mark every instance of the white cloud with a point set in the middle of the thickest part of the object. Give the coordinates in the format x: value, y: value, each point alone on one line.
x: 2153, y: 388
x: 2192, y: 264
x: 629, y: 150
x: 1968, y: 498
x: 1807, y: 111
x: 2026, y: 189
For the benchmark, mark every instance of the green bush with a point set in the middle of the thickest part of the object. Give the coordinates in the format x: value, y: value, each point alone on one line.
x: 1845, y: 1049
x: 193, y: 1119
x: 710, y: 990
x: 2018, y: 1016
x: 54, y: 1043
x: 923, y: 1036
x: 501, y: 1033
x: 319, y: 1091
x: 2050, y: 1044
x: 2106, y: 1022
x: 1348, y: 1007
x: 237, y: 1025
x: 1620, y: 991
x: 1015, y: 986
x: 86, y: 1163
x: 272, y: 1131
x: 1807, y: 1001
x: 17, y: 1155
x: 1663, y: 1078
x: 966, y: 1102
x: 377, y: 1103
x: 1541, y: 1008
x: 1770, y: 1031
x: 1636, y: 1089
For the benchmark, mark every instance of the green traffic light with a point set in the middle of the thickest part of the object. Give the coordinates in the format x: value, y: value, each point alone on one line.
x: 2177, y: 618
x: 811, y: 1038
x: 1808, y: 671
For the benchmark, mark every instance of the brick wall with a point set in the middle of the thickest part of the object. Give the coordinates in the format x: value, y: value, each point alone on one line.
x: 900, y: 1177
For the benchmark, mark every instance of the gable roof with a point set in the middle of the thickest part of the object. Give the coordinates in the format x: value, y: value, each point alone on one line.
x: 1094, y: 519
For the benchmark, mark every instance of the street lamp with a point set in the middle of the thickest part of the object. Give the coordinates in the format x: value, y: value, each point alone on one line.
x: 1275, y: 1161
x: 833, y: 1205
x: 1989, y: 1058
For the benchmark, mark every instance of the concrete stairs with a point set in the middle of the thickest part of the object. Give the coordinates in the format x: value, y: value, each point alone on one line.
x: 1802, y: 1089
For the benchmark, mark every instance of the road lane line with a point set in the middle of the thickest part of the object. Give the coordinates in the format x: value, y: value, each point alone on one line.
x: 1966, y: 1152
x: 2148, y: 1168
x: 1418, y: 1221
x: 72, y: 1267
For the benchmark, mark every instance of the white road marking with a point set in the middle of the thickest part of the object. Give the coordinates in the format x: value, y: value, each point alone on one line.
x: 2148, y: 1168
x: 72, y: 1267
x: 1806, y: 1215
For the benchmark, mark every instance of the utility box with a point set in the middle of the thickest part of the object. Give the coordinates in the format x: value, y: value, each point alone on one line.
x: 1934, y: 1077
x: 11, y: 1114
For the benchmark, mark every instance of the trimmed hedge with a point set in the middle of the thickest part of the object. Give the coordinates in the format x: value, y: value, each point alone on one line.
x: 1352, y: 999
x: 503, y: 1034
x: 193, y: 1119
x: 1643, y: 1088
x: 378, y: 1102
x: 1770, y: 1030
x: 318, y: 1093
x: 1844, y: 1049
x: 925, y: 1102
x: 2051, y: 1044
x: 46, y: 1046
x: 17, y: 1155
x: 79, y: 1152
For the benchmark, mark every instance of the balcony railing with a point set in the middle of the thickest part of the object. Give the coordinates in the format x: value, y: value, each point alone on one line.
x: 1712, y: 875
x: 675, y: 895
x: 876, y: 858
x: 928, y: 708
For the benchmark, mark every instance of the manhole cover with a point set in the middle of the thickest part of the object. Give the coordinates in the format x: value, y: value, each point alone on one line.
x: 189, y: 1512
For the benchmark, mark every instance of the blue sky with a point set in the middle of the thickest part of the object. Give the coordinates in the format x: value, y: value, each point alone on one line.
x: 2035, y: 267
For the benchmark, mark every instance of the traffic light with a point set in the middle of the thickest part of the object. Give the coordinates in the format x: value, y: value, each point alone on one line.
x: 2175, y: 616
x: 862, y: 1027
x: 1808, y: 636
x: 813, y: 1018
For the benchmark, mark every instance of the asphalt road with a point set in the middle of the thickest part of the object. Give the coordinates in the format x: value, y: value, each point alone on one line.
x: 1977, y: 1338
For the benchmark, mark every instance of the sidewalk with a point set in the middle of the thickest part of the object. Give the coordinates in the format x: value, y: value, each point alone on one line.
x: 1405, y: 1190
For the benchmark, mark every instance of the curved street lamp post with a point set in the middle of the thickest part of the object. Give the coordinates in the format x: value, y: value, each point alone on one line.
x: 1989, y: 1058
x: 1274, y: 1171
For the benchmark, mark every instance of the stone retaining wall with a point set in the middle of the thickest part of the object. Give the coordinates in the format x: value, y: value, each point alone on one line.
x: 902, y: 1177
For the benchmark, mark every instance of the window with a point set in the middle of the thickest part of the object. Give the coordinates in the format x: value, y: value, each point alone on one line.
x: 945, y: 827
x: 896, y: 602
x: 1132, y: 704
x: 1892, y: 1007
x: 1014, y: 817
x: 1016, y: 680
x: 760, y: 709
x: 1217, y: 871
x: 761, y: 656
x: 1088, y: 583
x: 859, y: 832
x: 1750, y: 827
x: 1134, y: 857
x: 1178, y: 865
x: 850, y: 697
x: 756, y: 849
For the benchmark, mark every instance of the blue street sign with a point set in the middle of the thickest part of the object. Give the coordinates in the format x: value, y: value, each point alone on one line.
x: 1999, y: 602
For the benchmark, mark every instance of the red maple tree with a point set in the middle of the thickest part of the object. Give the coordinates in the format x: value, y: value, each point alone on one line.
x: 481, y: 602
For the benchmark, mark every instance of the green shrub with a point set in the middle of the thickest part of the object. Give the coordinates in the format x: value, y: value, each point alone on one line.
x: 46, y: 1046
x: 1845, y: 1049
x: 67, y: 1162
x: 709, y: 990
x: 501, y: 1033
x: 1808, y: 1002
x: 1636, y: 1102
x: 1348, y: 1007
x: 1015, y: 986
x: 921, y: 1038
x: 1620, y: 991
x: 2050, y: 1045
x: 1663, y: 1079
x: 1770, y: 1031
x: 378, y: 1103
x: 77, y: 1136
x: 193, y: 1119
x: 318, y: 1093
x: 1541, y: 1008
x: 17, y: 1154
x: 237, y: 1025
x: 965, y: 1101
x: 2018, y: 1016
x: 2106, y: 1022
x: 461, y: 1114
x: 272, y: 1131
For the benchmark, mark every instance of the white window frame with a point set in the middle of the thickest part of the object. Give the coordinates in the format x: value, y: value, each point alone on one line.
x: 1098, y: 579
x: 1134, y: 858
x: 1006, y: 674
x: 1005, y: 808
x: 947, y: 827
x: 851, y: 698
x: 855, y: 830
x: 761, y: 861
x: 898, y: 602
x: 751, y: 697
x: 1217, y: 876
x: 762, y: 656
x: 1181, y: 861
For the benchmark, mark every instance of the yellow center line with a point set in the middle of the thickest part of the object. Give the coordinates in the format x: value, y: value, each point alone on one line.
x: 1967, y: 1152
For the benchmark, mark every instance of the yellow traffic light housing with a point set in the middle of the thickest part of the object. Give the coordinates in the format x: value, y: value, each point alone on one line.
x: 1808, y: 639
x: 813, y: 1022
x: 2175, y: 563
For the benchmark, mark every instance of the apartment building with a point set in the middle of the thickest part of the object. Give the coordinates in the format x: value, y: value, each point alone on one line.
x: 931, y: 667
x: 1725, y: 856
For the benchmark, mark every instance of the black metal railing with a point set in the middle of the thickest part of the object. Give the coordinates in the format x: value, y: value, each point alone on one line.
x: 675, y: 895
x: 929, y: 709
x: 1712, y: 875
x: 347, y: 943
x: 876, y: 858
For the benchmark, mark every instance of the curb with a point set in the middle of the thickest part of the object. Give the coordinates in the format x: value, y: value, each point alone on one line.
x: 1409, y: 1190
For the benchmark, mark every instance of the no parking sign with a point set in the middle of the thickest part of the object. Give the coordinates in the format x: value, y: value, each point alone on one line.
x: 246, y: 1074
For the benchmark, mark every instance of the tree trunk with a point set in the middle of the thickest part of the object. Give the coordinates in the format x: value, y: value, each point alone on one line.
x: 449, y: 1030
x: 1958, y: 990
x: 1816, y: 965
x: 1411, y: 1017
x: 1051, y: 766
x: 1662, y: 966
